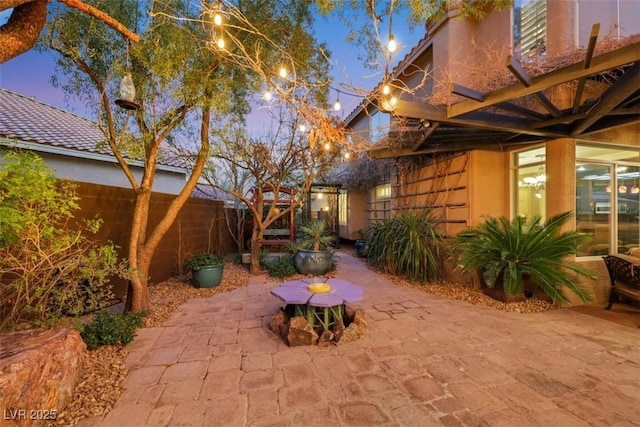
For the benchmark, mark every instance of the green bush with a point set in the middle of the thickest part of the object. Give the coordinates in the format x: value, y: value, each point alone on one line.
x: 509, y: 250
x: 48, y: 268
x: 111, y: 328
x: 280, y: 267
x: 201, y: 260
x: 406, y: 244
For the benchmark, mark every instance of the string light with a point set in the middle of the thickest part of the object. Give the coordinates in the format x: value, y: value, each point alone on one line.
x: 393, y: 101
x: 267, y: 95
x: 386, y: 89
x: 303, y: 128
x: 347, y: 155
x: 221, y: 43
x: 327, y: 146
x: 217, y: 19
x: 283, y: 72
x: 392, y: 46
x: 337, y: 105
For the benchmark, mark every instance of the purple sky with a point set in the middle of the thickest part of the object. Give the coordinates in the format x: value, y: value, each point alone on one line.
x: 30, y: 73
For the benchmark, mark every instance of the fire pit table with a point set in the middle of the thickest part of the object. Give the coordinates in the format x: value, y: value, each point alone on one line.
x: 319, y: 299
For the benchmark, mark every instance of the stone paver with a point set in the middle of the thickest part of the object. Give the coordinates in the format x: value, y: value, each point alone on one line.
x: 425, y: 361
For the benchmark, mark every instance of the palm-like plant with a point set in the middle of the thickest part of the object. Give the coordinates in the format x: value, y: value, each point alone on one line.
x: 406, y: 244
x: 514, y: 249
x: 315, y: 235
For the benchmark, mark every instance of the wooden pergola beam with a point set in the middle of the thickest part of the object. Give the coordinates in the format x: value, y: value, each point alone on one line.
x: 520, y: 73
x: 476, y: 119
x: 593, y: 38
x: 601, y: 63
x: 624, y: 87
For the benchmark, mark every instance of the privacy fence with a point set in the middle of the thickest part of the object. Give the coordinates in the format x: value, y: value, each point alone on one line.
x: 200, y: 226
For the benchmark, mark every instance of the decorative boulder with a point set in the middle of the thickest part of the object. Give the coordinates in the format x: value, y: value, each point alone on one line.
x: 38, y: 372
x: 300, y: 332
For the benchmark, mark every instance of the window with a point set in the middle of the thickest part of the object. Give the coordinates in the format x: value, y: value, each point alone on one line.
x: 380, y: 124
x: 342, y: 207
x: 529, y: 27
x: 383, y: 191
x: 608, y: 198
x: 617, y: 19
x: 531, y: 180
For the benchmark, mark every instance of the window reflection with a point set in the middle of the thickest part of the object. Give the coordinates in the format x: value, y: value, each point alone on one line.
x: 593, y: 207
x: 628, y: 195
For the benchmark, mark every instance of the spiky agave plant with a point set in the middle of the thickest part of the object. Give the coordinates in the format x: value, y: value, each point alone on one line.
x: 315, y: 235
x: 517, y: 248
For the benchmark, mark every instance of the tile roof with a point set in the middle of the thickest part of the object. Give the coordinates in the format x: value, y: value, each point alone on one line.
x: 28, y: 120
x: 205, y: 191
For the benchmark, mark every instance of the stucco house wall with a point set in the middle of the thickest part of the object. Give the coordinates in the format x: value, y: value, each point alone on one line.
x: 464, y: 185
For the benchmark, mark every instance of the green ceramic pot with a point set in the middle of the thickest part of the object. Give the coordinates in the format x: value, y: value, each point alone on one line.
x: 207, y: 277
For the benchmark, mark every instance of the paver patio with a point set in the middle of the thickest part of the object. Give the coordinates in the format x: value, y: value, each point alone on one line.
x: 424, y: 361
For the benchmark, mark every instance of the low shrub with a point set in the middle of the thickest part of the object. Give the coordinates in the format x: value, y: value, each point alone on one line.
x: 111, y: 328
x: 48, y: 267
x: 280, y: 267
x: 406, y: 244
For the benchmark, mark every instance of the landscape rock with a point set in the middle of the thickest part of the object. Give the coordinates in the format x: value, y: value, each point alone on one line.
x: 326, y: 339
x: 38, y: 372
x: 300, y: 332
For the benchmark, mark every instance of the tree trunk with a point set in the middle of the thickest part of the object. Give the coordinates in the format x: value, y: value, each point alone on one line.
x: 139, y: 260
x: 256, y: 244
x: 22, y: 29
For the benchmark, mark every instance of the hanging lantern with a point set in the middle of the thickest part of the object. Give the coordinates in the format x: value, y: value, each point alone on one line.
x: 127, y: 94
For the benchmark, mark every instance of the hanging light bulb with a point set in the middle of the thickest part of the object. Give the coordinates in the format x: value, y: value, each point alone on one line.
x: 267, y: 95
x: 337, y: 105
x: 319, y: 195
x: 635, y: 189
x: 221, y: 43
x: 303, y: 128
x: 608, y: 189
x: 393, y: 101
x: 283, y: 72
x: 217, y: 19
x: 622, y: 189
x: 327, y: 146
x: 347, y: 155
x: 392, y: 46
x: 386, y: 89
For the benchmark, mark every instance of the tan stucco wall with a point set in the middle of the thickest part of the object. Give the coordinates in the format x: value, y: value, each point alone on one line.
x: 488, y: 185
x: 561, y: 176
x: 356, y: 214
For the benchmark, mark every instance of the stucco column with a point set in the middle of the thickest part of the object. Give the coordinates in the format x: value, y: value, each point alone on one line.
x: 561, y: 177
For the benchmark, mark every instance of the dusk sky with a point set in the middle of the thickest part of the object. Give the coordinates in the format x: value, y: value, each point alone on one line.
x: 30, y: 73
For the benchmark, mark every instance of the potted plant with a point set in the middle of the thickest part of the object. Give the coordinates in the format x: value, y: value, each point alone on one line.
x: 510, y: 253
x: 361, y: 242
x: 314, y: 256
x: 206, y: 269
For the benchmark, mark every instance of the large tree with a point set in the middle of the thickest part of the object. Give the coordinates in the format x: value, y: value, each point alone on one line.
x: 20, y: 33
x: 293, y: 154
x: 184, y: 80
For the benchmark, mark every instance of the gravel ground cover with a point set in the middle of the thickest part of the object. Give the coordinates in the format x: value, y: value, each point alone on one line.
x: 100, y: 385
